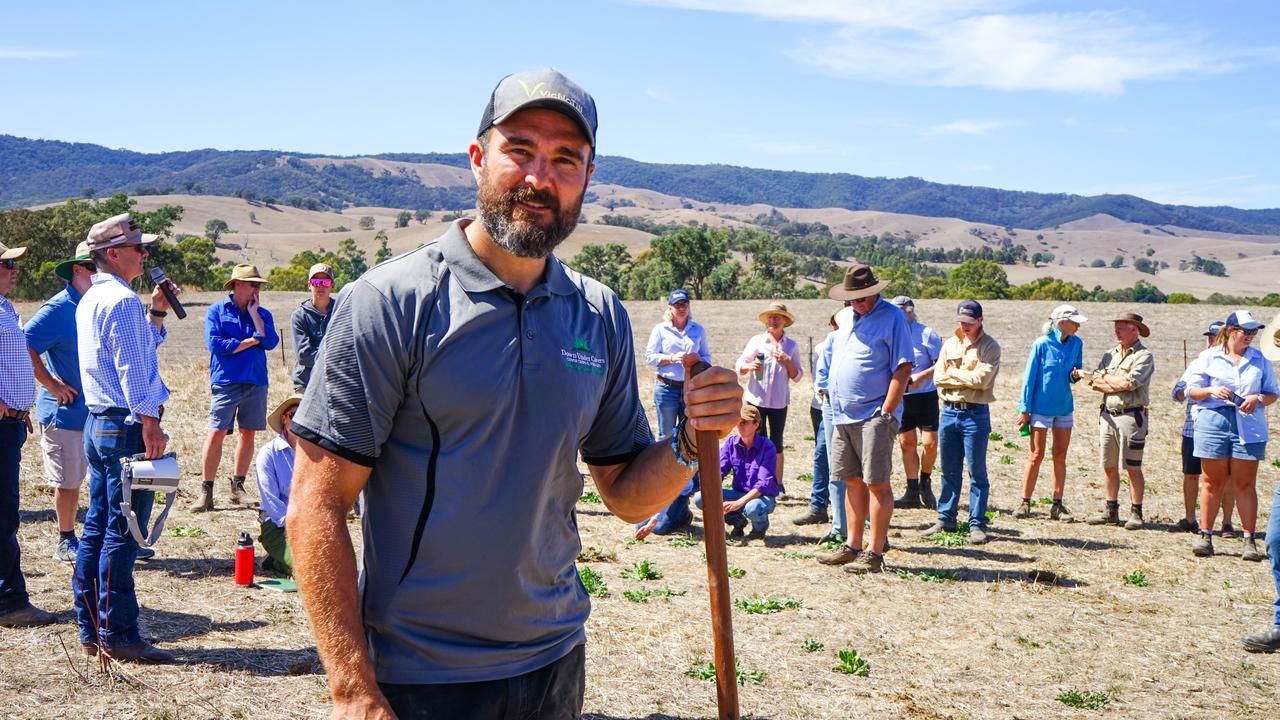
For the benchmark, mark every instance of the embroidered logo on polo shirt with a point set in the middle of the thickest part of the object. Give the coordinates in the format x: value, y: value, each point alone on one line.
x: 581, y: 359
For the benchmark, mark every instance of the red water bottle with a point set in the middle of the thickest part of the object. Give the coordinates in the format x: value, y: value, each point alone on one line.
x: 244, y: 560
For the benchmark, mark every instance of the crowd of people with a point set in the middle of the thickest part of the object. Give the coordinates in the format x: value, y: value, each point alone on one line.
x: 468, y: 469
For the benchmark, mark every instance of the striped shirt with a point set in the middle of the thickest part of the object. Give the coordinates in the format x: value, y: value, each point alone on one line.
x: 17, y: 377
x: 117, y: 348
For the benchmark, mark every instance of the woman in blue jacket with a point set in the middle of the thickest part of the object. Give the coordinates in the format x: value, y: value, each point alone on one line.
x: 1056, y: 361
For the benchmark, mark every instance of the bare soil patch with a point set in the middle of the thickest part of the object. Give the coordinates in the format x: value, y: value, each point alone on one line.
x: 1040, y: 611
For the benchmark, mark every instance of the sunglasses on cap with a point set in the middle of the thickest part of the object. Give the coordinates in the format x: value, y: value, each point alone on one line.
x: 321, y: 282
x: 8, y: 264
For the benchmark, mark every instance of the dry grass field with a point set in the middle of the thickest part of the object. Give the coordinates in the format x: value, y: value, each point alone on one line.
x: 949, y: 631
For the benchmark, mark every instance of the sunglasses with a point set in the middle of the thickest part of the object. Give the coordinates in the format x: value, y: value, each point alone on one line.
x: 8, y: 264
x: 321, y: 282
x: 1249, y: 333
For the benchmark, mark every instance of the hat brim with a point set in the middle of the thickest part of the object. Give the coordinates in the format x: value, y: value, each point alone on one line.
x: 1269, y: 340
x: 968, y: 318
x: 231, y: 283
x: 840, y: 293
x: 63, y: 269
x: 1143, y: 330
x: 13, y: 253
x: 273, y: 420
x: 791, y: 319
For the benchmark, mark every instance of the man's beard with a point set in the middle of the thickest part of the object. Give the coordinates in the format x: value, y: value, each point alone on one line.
x: 522, y: 236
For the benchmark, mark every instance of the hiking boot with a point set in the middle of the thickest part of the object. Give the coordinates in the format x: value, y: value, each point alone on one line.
x: 204, y: 501
x: 139, y: 652
x: 1228, y: 531
x: 755, y: 535
x: 977, y: 535
x: 1061, y: 512
x: 1202, y: 546
x: 910, y: 497
x: 28, y: 616
x: 815, y: 516
x: 737, y: 533
x: 67, y: 549
x: 1024, y: 510
x: 1185, y: 525
x: 936, y: 528
x: 927, y: 498
x: 1135, y: 521
x: 146, y: 553
x: 842, y: 555
x: 865, y: 564
x: 1250, y: 552
x: 1266, y: 642
x: 1110, y: 515
x: 237, y: 490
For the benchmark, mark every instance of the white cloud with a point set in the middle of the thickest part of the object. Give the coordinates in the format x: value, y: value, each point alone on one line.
x: 975, y: 128
x: 21, y: 54
x: 985, y: 43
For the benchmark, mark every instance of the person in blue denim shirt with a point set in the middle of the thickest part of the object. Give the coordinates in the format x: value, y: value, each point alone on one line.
x: 1230, y: 383
x: 239, y: 332
x: 669, y: 342
x: 819, y: 411
x: 750, y: 456
x: 1055, y: 362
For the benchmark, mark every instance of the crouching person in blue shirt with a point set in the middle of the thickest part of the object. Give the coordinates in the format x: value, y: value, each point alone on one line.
x: 275, y: 474
x: 751, y: 457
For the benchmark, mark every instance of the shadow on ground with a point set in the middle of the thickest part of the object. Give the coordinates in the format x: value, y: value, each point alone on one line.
x: 189, y: 568
x: 1044, y: 578
x: 168, y: 626
x: 273, y: 662
x: 970, y: 552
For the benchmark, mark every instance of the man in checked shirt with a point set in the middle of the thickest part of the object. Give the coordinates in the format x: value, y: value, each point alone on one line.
x: 124, y: 394
x: 17, y: 394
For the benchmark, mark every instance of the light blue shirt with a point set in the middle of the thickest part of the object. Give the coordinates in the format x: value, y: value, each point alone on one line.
x: 926, y: 346
x: 1253, y: 375
x: 275, y: 476
x: 666, y: 339
x: 864, y: 355
x: 821, y: 368
x: 117, y: 349
x: 1046, y: 381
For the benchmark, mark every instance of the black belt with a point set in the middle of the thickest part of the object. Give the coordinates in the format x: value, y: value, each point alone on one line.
x: 678, y: 384
x: 118, y: 412
x: 17, y: 414
x: 962, y: 405
x: 1125, y: 411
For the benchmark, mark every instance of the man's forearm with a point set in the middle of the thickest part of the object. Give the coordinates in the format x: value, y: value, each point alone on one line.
x: 645, y: 485
x: 897, y: 386
x: 43, y: 376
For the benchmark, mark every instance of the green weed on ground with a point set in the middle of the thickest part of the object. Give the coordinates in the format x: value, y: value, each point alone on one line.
x: 928, y: 575
x: 811, y: 645
x: 186, y: 532
x: 737, y: 572
x: 642, y: 570
x: 1084, y: 699
x: 1137, y: 578
x: 851, y: 664
x: 759, y: 605
x: 593, y: 582
x: 642, y: 595
x: 591, y: 497
x: 707, y: 671
x: 683, y: 541
x: 797, y: 555
x: 1027, y: 642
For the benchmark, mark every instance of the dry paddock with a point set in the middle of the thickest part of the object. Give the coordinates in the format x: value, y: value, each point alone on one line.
x: 988, y: 643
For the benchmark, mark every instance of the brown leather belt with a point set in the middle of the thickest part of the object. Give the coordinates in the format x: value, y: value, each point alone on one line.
x: 1125, y: 411
x: 677, y: 384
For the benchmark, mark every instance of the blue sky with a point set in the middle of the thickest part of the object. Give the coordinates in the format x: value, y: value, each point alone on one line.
x: 1176, y: 101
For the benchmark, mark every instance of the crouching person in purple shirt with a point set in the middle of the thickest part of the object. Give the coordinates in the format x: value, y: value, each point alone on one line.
x: 751, y: 457
x: 275, y: 474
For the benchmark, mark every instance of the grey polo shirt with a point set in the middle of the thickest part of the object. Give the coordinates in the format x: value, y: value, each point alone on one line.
x: 470, y: 403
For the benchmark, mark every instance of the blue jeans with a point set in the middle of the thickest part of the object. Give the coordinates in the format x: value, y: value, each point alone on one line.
x: 106, y: 605
x: 756, y: 510
x: 1273, y: 547
x: 13, y: 586
x: 835, y: 485
x: 963, y: 434
x: 669, y: 402
x: 820, y: 496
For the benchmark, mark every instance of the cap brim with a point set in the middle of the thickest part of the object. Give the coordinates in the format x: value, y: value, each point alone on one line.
x: 559, y: 106
x: 968, y: 318
x: 839, y: 293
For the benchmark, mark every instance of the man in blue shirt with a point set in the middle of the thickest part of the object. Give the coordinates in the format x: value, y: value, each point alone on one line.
x: 870, y: 368
x: 60, y: 409
x: 239, y: 332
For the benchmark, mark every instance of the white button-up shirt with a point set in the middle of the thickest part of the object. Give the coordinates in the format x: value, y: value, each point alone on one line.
x: 117, y: 348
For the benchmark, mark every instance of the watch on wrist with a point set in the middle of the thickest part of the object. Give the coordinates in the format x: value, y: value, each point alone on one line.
x: 158, y: 313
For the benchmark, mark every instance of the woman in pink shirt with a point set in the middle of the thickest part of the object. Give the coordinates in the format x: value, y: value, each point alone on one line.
x: 771, y: 362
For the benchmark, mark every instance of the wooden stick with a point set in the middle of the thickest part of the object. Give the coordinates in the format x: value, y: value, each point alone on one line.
x: 717, y: 566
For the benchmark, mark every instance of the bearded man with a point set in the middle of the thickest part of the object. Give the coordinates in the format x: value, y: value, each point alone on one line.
x: 455, y: 388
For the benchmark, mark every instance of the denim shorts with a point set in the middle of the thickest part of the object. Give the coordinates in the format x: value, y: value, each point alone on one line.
x: 1052, y: 421
x: 242, y: 404
x: 1216, y: 437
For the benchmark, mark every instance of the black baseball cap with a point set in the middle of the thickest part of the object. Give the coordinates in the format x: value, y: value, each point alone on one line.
x: 541, y: 89
x: 968, y: 311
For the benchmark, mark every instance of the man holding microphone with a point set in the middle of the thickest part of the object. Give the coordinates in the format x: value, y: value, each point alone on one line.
x: 117, y: 339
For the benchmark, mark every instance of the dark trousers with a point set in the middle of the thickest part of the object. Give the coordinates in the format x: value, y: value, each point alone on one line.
x: 550, y: 693
x: 106, y: 604
x: 13, y: 586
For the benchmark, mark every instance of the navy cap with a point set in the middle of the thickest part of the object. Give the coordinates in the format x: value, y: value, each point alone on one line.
x: 1214, y: 328
x: 677, y: 296
x: 968, y: 311
x: 1244, y: 319
x: 540, y: 89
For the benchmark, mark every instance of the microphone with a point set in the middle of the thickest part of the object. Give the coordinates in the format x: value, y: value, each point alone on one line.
x: 166, y: 286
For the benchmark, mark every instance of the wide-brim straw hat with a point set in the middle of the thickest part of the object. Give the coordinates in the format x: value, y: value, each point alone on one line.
x: 778, y: 308
x: 273, y: 420
x: 244, y: 273
x: 1134, y: 318
x: 859, y: 282
x: 1269, y: 340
